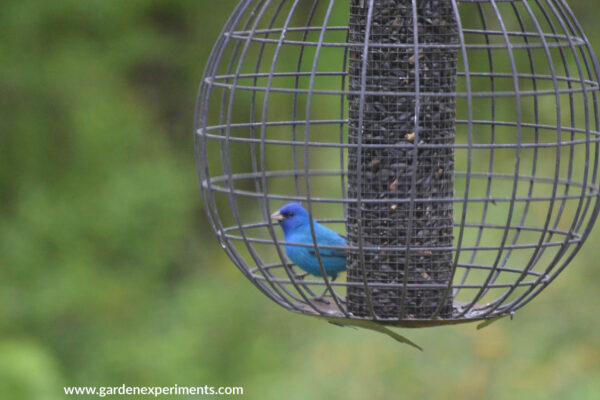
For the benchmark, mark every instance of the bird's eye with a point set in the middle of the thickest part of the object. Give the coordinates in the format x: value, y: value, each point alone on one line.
x: 289, y: 215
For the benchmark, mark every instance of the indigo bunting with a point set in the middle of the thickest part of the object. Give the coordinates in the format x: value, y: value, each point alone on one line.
x: 295, y: 223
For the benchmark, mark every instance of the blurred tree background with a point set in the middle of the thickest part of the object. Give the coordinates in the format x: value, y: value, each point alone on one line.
x: 109, y: 274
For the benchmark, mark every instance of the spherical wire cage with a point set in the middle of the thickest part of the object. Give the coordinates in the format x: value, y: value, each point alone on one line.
x: 455, y: 143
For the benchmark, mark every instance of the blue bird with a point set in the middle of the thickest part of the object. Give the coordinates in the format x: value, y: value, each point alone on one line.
x: 295, y: 223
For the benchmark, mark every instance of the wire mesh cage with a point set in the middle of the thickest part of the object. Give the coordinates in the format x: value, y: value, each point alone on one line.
x: 455, y: 143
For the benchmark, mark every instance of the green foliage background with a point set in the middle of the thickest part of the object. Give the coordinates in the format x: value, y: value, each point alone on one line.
x: 110, y: 275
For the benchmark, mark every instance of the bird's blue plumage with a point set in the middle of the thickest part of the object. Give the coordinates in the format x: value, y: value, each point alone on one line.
x: 295, y: 223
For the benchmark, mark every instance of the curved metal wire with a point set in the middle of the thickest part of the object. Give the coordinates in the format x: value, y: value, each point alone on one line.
x: 526, y: 183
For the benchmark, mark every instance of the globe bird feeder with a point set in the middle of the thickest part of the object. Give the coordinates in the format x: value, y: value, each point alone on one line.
x: 455, y: 143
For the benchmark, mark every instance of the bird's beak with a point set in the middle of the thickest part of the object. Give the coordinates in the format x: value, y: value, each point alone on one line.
x: 277, y: 216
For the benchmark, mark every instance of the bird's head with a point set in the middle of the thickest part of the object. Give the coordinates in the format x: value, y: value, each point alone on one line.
x: 291, y: 216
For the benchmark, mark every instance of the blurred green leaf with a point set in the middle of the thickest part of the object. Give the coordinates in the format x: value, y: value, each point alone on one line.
x: 109, y: 273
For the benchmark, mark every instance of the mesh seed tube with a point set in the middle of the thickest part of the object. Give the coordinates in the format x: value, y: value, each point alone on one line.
x: 402, y: 115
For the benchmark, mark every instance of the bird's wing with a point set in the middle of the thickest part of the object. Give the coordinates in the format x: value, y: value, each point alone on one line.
x: 328, y: 252
x: 328, y: 237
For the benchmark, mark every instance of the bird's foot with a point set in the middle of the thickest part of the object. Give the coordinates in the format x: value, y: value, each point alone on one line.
x: 301, y: 277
